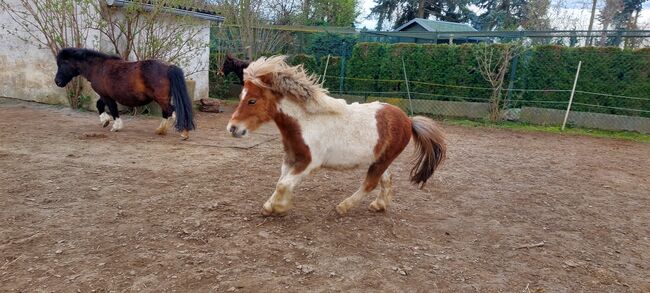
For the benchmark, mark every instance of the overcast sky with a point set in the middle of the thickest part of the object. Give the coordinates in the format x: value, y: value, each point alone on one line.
x: 576, y: 14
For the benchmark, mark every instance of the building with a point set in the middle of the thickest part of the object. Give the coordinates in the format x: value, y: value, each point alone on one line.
x: 28, y: 70
x: 419, y: 30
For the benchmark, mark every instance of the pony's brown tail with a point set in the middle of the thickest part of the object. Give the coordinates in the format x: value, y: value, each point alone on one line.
x: 431, y: 149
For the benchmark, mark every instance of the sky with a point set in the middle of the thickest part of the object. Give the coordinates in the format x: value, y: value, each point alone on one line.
x: 575, y: 15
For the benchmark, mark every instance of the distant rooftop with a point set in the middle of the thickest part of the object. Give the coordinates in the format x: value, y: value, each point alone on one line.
x: 437, y: 25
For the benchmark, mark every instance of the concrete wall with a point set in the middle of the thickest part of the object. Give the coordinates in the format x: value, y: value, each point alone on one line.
x: 26, y: 71
x: 539, y: 116
x: 440, y: 108
x: 585, y: 119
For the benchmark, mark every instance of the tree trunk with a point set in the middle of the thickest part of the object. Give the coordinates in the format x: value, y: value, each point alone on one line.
x: 420, y: 9
x: 603, y: 37
x: 591, y: 22
x: 305, y: 11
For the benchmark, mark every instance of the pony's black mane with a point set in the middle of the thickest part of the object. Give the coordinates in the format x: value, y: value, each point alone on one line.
x: 83, y: 54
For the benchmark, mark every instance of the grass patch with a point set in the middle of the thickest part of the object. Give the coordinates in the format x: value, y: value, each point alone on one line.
x: 628, y: 135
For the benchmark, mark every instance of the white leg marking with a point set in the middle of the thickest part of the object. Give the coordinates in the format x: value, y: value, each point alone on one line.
x: 117, y: 125
x: 343, y: 207
x: 162, y: 128
x: 385, y: 195
x: 104, y: 119
x: 281, y: 200
x: 171, y: 120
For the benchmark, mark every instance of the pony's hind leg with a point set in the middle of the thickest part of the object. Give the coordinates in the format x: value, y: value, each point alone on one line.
x: 112, y: 106
x: 375, y: 174
x: 369, y: 184
x: 385, y: 194
x: 168, y: 118
x: 104, y: 119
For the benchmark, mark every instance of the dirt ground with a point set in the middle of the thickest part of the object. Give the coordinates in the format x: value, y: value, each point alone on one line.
x: 86, y: 210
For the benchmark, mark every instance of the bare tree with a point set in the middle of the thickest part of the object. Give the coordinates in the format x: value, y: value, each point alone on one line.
x: 591, y: 21
x: 284, y: 12
x: 248, y: 30
x: 606, y: 17
x: 53, y: 24
x: 140, y: 33
x: 493, y: 64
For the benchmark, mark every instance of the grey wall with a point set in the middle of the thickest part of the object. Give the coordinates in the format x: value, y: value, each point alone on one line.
x: 544, y: 116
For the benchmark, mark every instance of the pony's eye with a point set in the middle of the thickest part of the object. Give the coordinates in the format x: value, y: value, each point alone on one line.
x: 252, y: 101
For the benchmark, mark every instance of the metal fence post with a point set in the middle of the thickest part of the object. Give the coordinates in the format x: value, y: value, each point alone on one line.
x: 513, y: 75
x: 408, y: 90
x: 325, y: 71
x: 342, y: 73
x: 573, y: 91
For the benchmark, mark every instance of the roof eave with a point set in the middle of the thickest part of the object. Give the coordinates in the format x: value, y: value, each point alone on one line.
x: 401, y: 27
x: 149, y: 7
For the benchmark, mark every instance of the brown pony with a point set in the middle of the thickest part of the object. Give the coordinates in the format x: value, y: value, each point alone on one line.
x: 320, y: 131
x: 131, y: 84
x: 233, y: 65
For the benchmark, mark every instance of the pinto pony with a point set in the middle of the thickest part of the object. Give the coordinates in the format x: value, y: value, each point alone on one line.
x: 320, y: 131
x: 233, y: 65
x: 131, y: 84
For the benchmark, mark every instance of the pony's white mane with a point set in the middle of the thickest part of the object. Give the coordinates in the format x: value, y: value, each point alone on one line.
x: 293, y: 82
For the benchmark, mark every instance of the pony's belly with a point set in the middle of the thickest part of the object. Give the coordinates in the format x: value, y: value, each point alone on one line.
x: 133, y: 101
x: 347, y: 157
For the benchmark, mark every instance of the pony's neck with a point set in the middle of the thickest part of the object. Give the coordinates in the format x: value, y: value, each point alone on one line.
x: 320, y: 105
x: 88, y: 68
x: 292, y: 109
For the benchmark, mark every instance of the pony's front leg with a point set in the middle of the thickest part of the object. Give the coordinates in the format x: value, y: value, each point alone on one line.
x: 117, y: 123
x: 104, y: 118
x: 280, y: 202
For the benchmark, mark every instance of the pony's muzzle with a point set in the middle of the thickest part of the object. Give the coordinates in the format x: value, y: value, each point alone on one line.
x: 236, y: 131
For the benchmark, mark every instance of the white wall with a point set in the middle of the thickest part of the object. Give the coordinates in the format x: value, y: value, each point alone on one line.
x: 26, y: 71
x: 202, y: 63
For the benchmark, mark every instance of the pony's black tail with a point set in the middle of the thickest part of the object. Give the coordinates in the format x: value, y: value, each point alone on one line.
x: 181, y: 99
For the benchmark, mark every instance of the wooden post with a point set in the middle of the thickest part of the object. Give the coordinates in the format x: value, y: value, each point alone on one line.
x: 573, y: 91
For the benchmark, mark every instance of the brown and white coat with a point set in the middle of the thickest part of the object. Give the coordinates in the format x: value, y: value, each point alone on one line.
x: 319, y: 131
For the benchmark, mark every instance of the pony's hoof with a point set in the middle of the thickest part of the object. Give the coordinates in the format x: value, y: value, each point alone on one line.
x: 341, y: 209
x: 185, y: 135
x: 104, y: 119
x: 161, y: 132
x: 376, y: 207
x: 267, y: 213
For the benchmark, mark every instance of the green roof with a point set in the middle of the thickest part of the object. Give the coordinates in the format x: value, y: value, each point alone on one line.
x: 438, y: 25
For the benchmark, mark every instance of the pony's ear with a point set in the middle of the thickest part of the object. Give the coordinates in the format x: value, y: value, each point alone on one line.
x: 267, y: 79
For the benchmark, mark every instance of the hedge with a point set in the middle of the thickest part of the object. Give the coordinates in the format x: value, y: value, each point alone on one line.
x: 449, y: 72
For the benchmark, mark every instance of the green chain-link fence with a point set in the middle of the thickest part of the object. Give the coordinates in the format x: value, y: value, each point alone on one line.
x: 612, y: 90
